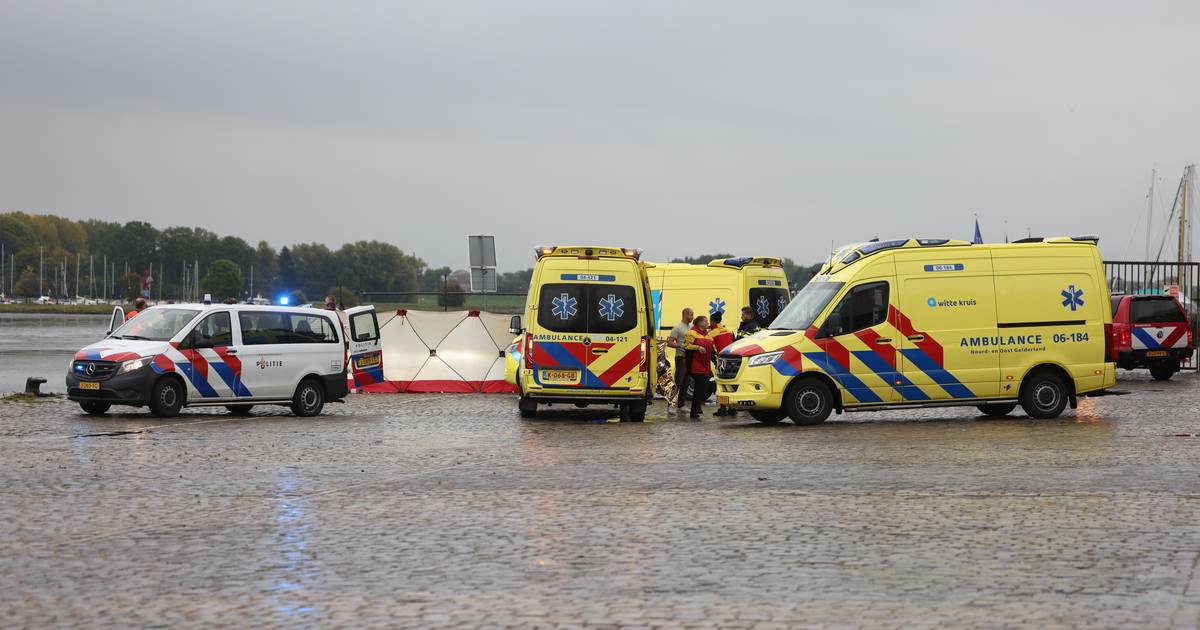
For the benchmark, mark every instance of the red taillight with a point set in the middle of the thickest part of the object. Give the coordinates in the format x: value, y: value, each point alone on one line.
x: 528, y: 351
x: 645, y: 347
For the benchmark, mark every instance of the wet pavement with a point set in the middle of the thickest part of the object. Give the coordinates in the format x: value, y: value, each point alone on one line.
x: 450, y: 510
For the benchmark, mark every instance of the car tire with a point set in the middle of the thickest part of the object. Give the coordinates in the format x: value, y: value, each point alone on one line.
x: 808, y: 402
x: 527, y: 407
x: 1044, y: 396
x: 239, y: 410
x: 634, y: 412
x: 768, y: 416
x: 1163, y: 370
x: 309, y: 399
x: 996, y: 410
x: 167, y: 397
x: 94, y: 407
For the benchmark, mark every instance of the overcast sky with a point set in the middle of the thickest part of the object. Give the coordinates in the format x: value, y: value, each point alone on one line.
x: 771, y: 128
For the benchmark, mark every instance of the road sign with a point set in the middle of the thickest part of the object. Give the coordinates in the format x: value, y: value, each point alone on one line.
x: 483, y: 280
x: 481, y: 249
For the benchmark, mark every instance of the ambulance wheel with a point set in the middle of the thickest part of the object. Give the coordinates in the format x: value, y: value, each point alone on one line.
x: 633, y: 412
x: 808, y: 401
x: 239, y: 410
x: 1044, y: 396
x: 527, y: 407
x: 167, y: 397
x: 996, y: 410
x: 309, y: 398
x: 768, y: 416
x: 94, y: 407
x: 1163, y: 370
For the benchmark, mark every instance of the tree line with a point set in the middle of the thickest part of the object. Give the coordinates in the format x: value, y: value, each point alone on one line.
x: 109, y: 259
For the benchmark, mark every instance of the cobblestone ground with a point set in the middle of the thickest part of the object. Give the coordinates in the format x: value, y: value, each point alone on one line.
x: 450, y: 510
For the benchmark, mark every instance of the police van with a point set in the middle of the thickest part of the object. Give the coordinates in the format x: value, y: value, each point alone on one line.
x: 237, y: 356
x: 932, y: 322
x: 724, y: 286
x: 586, y: 334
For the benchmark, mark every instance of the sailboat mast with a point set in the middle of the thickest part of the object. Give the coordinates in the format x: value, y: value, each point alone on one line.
x: 1150, y: 212
x: 1184, y: 245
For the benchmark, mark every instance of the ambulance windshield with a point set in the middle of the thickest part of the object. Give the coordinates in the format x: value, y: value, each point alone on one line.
x: 156, y: 324
x: 806, y: 306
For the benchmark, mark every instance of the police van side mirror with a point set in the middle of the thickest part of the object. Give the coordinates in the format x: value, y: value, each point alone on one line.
x: 514, y: 325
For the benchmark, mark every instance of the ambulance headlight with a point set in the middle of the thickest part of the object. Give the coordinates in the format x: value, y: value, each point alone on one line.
x: 135, y: 364
x: 767, y: 358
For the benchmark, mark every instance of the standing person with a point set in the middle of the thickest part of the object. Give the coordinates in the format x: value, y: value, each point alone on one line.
x: 749, y: 324
x: 721, y: 338
x: 331, y: 305
x: 676, y: 340
x: 139, y: 305
x: 700, y: 365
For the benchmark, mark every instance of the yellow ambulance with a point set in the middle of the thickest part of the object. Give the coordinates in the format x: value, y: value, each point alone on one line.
x: 917, y: 322
x: 587, y: 331
x: 722, y: 286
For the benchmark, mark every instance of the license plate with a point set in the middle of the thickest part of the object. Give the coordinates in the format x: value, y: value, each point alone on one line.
x: 1157, y: 353
x: 87, y: 385
x: 560, y: 376
x: 368, y: 361
x: 722, y: 400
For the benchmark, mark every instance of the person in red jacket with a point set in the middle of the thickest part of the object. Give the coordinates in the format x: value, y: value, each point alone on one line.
x: 700, y: 368
x: 721, y: 338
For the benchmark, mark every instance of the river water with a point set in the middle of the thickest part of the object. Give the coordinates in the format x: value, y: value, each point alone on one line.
x: 43, y: 345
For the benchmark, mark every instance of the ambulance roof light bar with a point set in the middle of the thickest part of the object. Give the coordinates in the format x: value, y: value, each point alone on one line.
x: 632, y: 252
x: 543, y: 250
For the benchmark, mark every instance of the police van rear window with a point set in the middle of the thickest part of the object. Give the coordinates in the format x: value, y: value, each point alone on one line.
x: 587, y: 308
x: 1153, y: 310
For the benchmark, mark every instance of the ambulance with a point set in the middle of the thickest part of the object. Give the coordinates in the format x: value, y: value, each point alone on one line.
x: 722, y: 286
x: 586, y: 334
x: 237, y: 356
x: 920, y: 322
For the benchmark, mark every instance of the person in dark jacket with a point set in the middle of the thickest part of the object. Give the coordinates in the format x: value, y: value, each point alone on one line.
x: 749, y: 324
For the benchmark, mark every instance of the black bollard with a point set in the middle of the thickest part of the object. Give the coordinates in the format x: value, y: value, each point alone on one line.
x: 33, y: 386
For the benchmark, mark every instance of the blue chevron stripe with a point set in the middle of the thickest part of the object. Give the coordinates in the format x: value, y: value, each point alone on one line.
x: 906, y: 389
x: 946, y: 380
x: 856, y: 387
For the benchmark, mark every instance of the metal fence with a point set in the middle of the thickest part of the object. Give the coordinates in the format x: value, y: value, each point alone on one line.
x: 1141, y: 277
x: 449, y: 300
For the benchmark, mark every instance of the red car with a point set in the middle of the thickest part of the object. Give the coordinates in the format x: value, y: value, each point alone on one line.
x: 1150, y: 331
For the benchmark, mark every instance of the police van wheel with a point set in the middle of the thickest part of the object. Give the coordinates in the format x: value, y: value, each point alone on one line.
x: 239, y: 410
x: 768, y: 416
x: 94, y: 407
x: 309, y: 399
x: 808, y: 402
x: 996, y: 410
x: 527, y: 407
x: 167, y: 397
x: 1044, y: 396
x: 1163, y: 370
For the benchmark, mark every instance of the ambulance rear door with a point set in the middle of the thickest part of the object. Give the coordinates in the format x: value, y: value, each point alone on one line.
x: 364, y: 346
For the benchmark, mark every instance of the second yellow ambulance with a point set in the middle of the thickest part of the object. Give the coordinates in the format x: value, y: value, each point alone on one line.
x: 915, y: 322
x: 724, y: 285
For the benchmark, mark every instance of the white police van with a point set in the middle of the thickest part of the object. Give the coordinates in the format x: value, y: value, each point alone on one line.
x: 236, y: 356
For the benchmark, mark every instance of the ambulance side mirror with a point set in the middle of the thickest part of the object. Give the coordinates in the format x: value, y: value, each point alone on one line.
x: 514, y: 325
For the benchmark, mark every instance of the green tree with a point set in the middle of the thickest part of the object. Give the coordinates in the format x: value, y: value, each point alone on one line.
x: 223, y: 280
x: 130, y: 285
x: 431, y: 279
x: 702, y: 259
x: 317, y: 267
x: 288, y: 277
x: 266, y: 267
x: 452, y: 295
x: 514, y: 281
x: 344, y: 297
x: 26, y: 284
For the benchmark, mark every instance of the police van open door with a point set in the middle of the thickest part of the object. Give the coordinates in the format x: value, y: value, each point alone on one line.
x: 118, y: 319
x: 364, y: 346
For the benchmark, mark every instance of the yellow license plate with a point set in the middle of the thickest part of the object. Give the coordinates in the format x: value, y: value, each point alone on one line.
x: 1157, y: 353
x: 560, y: 376
x: 722, y: 400
x: 367, y: 361
x: 87, y: 385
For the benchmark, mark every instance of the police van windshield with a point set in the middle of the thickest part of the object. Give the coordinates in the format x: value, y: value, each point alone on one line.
x: 587, y: 308
x: 156, y: 324
x: 806, y: 306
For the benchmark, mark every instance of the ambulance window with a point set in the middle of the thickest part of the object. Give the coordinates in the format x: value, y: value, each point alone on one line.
x: 613, y: 309
x: 864, y: 306
x: 768, y: 304
x: 562, y: 308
